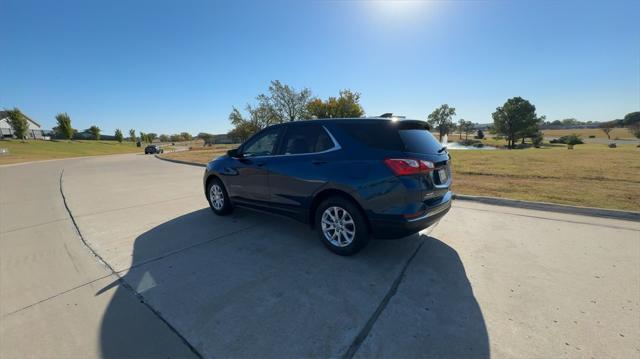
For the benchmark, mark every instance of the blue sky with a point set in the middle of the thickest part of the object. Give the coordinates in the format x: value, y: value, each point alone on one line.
x: 166, y: 67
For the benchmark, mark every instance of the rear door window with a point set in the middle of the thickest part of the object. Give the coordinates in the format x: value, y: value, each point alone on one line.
x: 380, y: 135
x: 308, y: 138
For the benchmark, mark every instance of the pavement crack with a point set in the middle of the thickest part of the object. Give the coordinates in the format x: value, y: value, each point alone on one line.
x: 364, y: 332
x: 121, y: 280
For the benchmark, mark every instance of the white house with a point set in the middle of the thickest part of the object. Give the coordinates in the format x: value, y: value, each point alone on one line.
x: 34, y: 131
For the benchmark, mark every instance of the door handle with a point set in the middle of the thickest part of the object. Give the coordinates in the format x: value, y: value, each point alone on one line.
x: 318, y: 162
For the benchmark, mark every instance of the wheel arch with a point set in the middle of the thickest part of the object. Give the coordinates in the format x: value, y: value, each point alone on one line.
x: 330, y: 192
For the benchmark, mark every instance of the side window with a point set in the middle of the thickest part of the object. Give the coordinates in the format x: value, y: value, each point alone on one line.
x: 306, y: 139
x: 262, y: 145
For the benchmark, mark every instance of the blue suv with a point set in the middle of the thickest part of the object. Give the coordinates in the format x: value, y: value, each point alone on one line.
x: 350, y: 179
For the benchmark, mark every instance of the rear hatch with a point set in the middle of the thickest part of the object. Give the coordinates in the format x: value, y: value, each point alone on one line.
x: 407, y: 142
x: 419, y: 143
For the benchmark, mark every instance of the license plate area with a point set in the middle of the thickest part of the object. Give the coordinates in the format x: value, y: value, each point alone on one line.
x: 442, y: 175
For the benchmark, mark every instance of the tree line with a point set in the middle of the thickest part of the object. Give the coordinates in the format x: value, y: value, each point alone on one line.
x: 64, y: 130
x: 283, y: 103
x: 516, y: 120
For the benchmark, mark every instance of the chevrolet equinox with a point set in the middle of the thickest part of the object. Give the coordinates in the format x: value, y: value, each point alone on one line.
x: 350, y: 179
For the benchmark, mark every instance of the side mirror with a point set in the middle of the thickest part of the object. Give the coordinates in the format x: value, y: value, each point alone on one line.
x: 234, y: 153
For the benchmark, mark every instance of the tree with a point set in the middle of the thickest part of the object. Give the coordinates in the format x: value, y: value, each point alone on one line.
x: 64, y: 128
x: 18, y: 122
x: 346, y: 105
x: 607, y: 127
x: 440, y: 118
x: 286, y: 103
x: 143, y: 137
x: 95, y: 132
x: 468, y: 128
x: 206, y: 137
x: 164, y: 138
x: 631, y: 118
x: 132, y: 135
x: 151, y: 136
x: 186, y: 136
x: 515, y: 119
x: 118, y: 135
x: 632, y: 122
x: 460, y: 127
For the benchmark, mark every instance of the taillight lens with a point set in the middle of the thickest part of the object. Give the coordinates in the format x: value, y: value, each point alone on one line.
x: 407, y: 166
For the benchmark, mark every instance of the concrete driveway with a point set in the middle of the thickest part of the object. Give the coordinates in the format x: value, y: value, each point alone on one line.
x: 144, y: 269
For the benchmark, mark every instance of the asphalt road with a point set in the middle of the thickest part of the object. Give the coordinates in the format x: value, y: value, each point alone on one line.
x: 144, y: 269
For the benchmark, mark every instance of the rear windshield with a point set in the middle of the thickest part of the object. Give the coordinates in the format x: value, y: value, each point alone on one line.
x: 399, y: 136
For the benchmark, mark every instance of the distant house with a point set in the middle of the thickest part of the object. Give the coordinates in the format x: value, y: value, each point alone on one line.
x: 222, y: 139
x: 34, y: 131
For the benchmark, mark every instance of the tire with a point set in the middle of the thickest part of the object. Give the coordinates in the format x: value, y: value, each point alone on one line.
x: 350, y: 220
x: 218, y: 208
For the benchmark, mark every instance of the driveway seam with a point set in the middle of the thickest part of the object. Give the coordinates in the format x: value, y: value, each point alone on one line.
x: 135, y: 206
x: 364, y: 332
x: 180, y: 250
x: 123, y: 283
x: 57, y: 295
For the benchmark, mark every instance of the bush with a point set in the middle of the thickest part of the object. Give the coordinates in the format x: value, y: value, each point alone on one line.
x: 537, y: 140
x: 592, y: 136
x: 480, y: 135
x: 612, y: 145
x: 572, y: 139
x: 468, y: 142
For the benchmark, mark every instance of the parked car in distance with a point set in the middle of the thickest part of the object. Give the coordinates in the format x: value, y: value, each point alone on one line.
x: 350, y: 179
x: 152, y: 149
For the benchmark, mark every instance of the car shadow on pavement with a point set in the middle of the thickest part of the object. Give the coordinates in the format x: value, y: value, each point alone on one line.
x: 254, y: 285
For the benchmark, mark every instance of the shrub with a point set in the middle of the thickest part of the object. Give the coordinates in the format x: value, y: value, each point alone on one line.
x: 537, y: 140
x: 612, y: 145
x: 480, y: 135
x: 592, y: 136
x: 572, y: 140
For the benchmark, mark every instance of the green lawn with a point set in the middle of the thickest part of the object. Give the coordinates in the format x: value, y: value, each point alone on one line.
x: 34, y: 150
x: 591, y: 175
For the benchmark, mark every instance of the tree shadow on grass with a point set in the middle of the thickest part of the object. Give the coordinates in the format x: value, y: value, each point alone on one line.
x: 268, y: 288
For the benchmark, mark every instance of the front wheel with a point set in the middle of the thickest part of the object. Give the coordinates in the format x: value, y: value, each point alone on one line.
x: 218, y: 198
x: 341, y: 226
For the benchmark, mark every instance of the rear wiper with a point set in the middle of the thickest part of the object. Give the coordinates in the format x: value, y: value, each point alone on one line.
x: 442, y: 149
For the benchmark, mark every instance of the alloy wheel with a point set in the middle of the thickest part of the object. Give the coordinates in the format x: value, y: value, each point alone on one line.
x: 338, y: 226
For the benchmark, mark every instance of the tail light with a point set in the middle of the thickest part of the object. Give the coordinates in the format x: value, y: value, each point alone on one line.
x: 407, y: 166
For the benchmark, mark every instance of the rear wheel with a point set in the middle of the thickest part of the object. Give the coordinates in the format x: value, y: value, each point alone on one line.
x: 341, y: 226
x: 218, y: 198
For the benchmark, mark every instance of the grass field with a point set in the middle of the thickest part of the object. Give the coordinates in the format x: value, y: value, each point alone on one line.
x: 591, y: 175
x: 620, y: 133
x: 35, y: 150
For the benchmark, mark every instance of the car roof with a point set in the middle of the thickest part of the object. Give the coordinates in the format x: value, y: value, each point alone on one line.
x: 361, y: 120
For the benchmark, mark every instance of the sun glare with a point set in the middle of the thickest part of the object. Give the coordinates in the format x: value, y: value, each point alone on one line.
x: 396, y: 9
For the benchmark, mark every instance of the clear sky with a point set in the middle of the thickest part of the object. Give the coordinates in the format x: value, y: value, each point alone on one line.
x: 171, y: 66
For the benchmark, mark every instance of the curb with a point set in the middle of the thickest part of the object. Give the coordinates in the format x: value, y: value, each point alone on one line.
x: 540, y: 206
x: 180, y: 162
x: 553, y: 207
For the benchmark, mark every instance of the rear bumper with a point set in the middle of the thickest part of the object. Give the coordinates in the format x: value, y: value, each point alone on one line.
x: 398, y: 228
